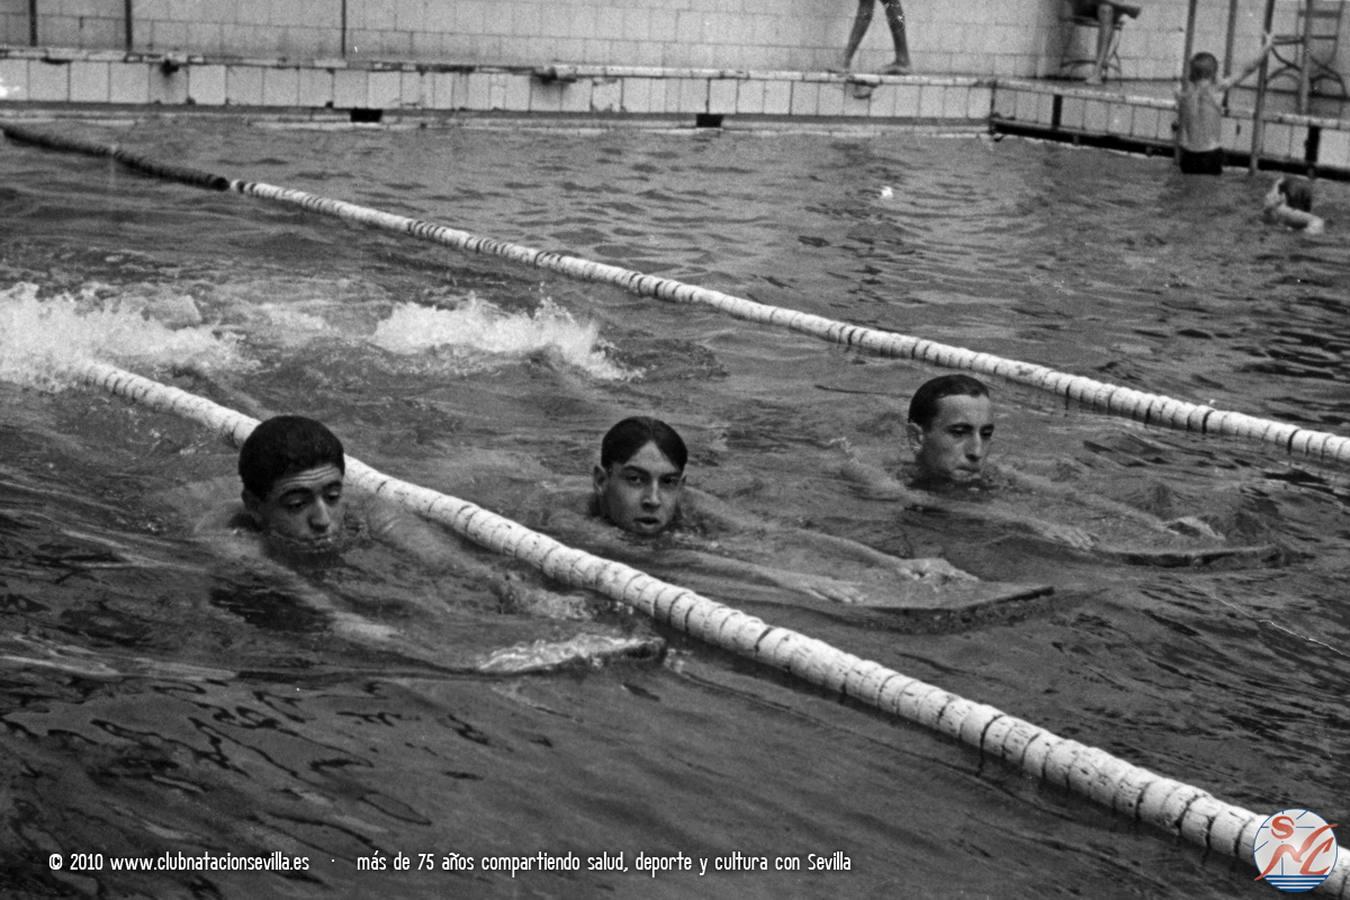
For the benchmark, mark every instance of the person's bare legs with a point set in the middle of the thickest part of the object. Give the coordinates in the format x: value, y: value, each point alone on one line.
x: 895, y: 18
x: 861, y: 22
x: 1106, y: 23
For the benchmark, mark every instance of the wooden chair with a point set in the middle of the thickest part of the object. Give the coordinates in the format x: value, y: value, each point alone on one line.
x: 1077, y: 16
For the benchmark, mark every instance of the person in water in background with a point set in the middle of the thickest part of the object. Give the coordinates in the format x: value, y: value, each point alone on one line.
x: 1200, y: 111
x: 949, y: 429
x: 639, y: 487
x: 295, y: 509
x: 1289, y: 203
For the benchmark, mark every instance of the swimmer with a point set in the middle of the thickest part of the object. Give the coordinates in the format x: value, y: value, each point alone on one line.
x: 1199, y: 102
x: 295, y: 509
x: 639, y: 480
x: 950, y: 429
x: 292, y: 469
x: 638, y: 487
x: 1289, y: 203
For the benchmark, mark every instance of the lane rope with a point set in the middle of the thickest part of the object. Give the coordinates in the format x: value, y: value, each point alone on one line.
x: 1150, y: 409
x: 1135, y: 792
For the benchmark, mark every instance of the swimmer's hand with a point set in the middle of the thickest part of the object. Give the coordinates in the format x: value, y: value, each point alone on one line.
x: 515, y: 595
x: 1273, y: 197
x: 1073, y: 537
x: 931, y: 569
x: 844, y: 446
x: 1192, y: 526
x: 821, y: 587
x: 354, y: 626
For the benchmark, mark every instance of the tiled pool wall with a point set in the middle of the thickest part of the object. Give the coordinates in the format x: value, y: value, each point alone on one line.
x: 706, y: 61
x: 1145, y: 123
x: 1023, y: 38
x: 964, y: 37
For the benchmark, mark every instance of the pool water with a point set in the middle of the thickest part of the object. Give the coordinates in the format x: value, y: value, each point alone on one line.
x: 156, y: 700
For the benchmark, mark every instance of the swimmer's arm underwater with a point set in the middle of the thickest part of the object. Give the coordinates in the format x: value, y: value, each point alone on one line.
x: 711, y: 509
x: 875, y: 483
x: 1184, y: 525
x: 437, y: 551
x: 816, y: 587
x: 878, y: 484
x: 236, y: 541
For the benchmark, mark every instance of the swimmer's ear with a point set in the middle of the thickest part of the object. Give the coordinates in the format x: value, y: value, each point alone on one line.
x: 915, y: 433
x: 598, y: 479
x: 252, y: 505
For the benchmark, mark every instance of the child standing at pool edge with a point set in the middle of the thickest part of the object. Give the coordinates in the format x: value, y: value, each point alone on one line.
x: 1200, y: 111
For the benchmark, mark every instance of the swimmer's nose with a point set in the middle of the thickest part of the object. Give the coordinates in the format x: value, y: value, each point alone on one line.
x: 321, y: 519
x: 652, y: 496
x: 977, y: 449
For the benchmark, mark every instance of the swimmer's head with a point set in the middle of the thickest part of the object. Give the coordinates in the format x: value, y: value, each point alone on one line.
x: 292, y: 469
x: 640, y: 476
x: 951, y: 424
x: 1297, y: 192
x: 1204, y: 67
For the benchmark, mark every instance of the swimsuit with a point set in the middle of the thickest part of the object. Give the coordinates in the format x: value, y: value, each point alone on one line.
x: 1202, y: 162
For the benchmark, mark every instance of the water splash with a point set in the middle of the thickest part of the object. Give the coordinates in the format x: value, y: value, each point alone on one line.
x: 478, y: 327
x: 41, y: 337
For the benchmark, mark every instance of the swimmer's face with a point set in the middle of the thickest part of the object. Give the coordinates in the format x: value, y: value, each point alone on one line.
x: 955, y: 443
x: 305, y: 508
x: 641, y: 495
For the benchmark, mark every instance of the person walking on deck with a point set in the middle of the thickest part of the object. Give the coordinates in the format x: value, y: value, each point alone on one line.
x: 895, y: 18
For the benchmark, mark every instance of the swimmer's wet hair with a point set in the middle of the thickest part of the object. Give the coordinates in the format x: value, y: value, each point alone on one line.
x: 1203, y: 66
x: 1297, y: 192
x: 923, y: 407
x: 284, y: 445
x: 625, y: 439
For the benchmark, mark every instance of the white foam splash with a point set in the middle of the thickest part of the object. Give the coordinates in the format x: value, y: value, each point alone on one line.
x: 477, y: 326
x: 41, y: 336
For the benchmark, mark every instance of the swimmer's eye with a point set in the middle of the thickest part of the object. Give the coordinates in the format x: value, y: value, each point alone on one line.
x: 987, y: 433
x: 670, y: 481
x: 333, y: 496
x: 634, y: 480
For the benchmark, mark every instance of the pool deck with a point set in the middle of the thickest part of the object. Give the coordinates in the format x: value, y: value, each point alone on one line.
x: 1129, y: 115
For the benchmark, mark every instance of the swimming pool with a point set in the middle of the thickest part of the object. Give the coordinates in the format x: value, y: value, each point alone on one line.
x: 155, y: 702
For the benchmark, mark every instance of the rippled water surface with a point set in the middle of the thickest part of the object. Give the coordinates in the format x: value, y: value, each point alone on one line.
x: 157, y: 701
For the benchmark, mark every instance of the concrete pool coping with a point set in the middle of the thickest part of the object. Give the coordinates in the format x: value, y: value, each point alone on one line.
x: 1133, y: 116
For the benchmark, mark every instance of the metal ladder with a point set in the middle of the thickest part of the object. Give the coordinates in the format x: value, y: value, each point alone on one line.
x: 1309, y: 56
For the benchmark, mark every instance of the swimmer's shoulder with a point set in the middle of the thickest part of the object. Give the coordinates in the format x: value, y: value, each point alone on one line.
x: 231, y: 534
x: 702, y: 512
x: 225, y: 518
x: 894, y: 483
